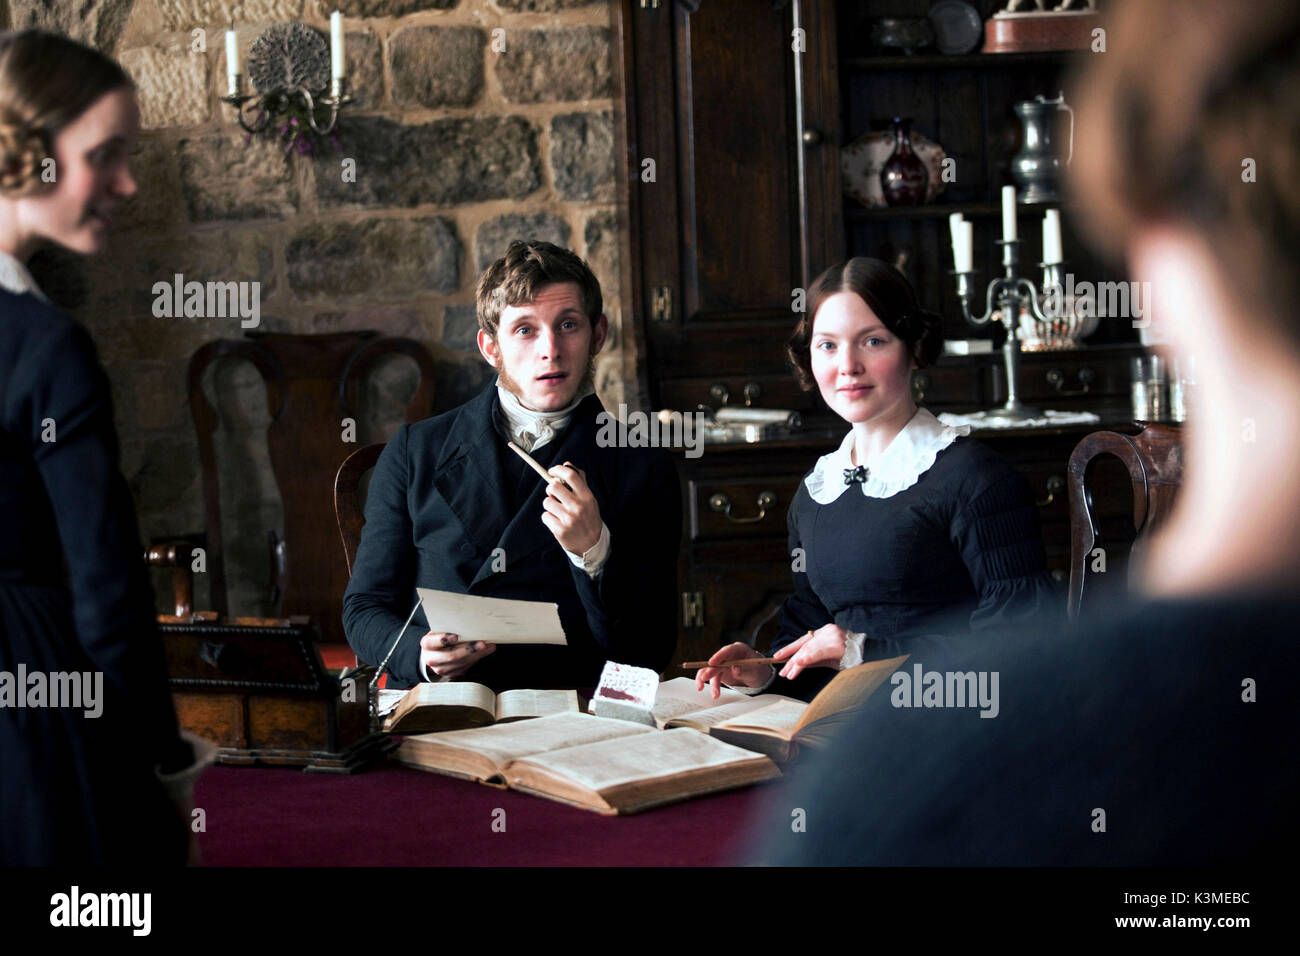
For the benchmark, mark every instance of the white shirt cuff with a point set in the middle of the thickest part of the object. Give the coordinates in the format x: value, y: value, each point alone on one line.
x: 593, y: 559
x: 754, y: 691
x: 853, y: 645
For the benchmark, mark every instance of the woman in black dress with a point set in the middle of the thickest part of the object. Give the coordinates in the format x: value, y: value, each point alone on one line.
x: 94, y: 776
x: 909, y: 529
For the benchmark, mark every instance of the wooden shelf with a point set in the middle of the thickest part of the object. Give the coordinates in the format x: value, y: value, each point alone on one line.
x: 959, y: 61
x: 856, y: 214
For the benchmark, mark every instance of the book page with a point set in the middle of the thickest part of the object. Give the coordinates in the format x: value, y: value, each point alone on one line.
x: 678, y: 696
x: 850, y: 688
x: 502, y: 743
x: 735, y: 709
x: 388, y: 700
x: 514, y: 704
x: 496, y: 620
x: 782, y: 718
x: 455, y: 694
x: 599, y: 766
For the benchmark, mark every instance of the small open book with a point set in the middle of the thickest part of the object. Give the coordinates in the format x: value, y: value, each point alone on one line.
x: 769, y: 723
x: 609, y: 766
x: 456, y: 705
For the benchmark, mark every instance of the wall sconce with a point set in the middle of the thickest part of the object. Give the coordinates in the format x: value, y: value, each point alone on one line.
x: 290, y: 67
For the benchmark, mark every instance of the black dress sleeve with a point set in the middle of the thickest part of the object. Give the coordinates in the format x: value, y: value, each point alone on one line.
x: 996, y: 531
x: 803, y: 611
x: 74, y: 444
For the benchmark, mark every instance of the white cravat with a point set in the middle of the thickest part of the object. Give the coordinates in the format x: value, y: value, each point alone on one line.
x: 529, y: 429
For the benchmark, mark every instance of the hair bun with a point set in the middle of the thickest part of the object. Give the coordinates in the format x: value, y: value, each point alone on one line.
x: 22, y: 151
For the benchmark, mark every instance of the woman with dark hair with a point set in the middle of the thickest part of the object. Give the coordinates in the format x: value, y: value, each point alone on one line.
x: 92, y: 768
x: 907, y: 530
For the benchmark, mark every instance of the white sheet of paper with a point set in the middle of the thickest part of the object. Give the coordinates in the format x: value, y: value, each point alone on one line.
x: 496, y: 620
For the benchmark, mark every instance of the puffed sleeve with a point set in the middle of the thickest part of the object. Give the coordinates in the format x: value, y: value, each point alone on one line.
x: 998, y: 536
x: 803, y: 611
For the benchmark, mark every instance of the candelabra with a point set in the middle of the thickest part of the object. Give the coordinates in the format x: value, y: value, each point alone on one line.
x: 281, y: 100
x: 1012, y: 295
x: 288, y: 62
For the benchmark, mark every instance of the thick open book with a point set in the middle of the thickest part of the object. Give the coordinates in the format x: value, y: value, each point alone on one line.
x: 456, y: 705
x: 769, y: 723
x: 610, y: 766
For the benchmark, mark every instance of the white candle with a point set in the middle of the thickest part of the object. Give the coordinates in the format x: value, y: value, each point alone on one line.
x: 1009, y: 213
x: 954, y: 227
x: 1052, y: 237
x: 232, y: 54
x: 336, y: 44
x: 963, y: 247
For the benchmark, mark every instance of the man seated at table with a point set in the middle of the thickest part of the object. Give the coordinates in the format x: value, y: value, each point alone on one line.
x: 451, y: 507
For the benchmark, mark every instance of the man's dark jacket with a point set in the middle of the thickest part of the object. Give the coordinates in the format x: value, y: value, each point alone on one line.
x: 444, y: 496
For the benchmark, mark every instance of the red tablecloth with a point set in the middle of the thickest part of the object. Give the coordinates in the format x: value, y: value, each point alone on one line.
x: 398, y: 816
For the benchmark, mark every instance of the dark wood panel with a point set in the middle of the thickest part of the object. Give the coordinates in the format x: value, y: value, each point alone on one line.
x: 735, y: 123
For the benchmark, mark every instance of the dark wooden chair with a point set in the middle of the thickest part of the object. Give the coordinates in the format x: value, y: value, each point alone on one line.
x: 1154, y: 460
x: 347, y: 498
x: 311, y: 386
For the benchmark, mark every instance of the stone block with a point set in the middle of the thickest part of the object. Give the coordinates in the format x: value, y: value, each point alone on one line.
x: 555, y: 65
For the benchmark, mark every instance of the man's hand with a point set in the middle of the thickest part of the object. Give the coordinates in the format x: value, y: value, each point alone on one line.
x: 748, y: 675
x: 823, y: 647
x: 571, y: 515
x: 442, y: 655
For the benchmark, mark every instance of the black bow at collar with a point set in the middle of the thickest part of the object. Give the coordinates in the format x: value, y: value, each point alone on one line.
x: 856, y: 474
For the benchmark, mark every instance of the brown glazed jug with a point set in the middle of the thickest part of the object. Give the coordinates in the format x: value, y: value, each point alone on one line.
x: 903, y: 178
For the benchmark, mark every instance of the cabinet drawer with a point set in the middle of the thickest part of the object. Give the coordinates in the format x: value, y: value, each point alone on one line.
x: 740, y: 508
x: 763, y: 391
x: 1069, y: 375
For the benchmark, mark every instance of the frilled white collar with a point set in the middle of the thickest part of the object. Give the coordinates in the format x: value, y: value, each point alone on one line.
x: 900, y: 465
x: 15, y: 277
x: 531, y: 429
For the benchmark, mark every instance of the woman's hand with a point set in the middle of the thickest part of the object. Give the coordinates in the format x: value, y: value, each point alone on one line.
x: 748, y: 675
x: 442, y: 656
x: 823, y: 647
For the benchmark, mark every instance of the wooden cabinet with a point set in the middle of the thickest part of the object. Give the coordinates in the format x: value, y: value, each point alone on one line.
x: 732, y: 119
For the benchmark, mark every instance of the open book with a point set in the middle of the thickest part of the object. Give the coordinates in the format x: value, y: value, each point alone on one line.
x: 610, y: 766
x: 769, y: 723
x: 456, y: 705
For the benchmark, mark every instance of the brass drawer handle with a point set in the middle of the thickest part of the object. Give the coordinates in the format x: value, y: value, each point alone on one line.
x: 1055, y: 485
x: 722, y: 503
x: 1056, y: 379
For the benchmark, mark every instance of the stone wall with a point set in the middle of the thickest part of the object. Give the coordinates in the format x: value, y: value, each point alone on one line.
x: 476, y: 122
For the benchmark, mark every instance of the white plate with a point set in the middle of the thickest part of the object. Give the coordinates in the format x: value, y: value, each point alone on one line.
x: 862, y: 160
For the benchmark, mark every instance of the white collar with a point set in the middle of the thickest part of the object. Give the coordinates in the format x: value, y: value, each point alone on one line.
x: 15, y: 277
x: 531, y: 429
x: 900, y: 465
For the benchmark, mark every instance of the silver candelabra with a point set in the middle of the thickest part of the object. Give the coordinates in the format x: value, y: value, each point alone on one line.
x: 1011, y: 293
